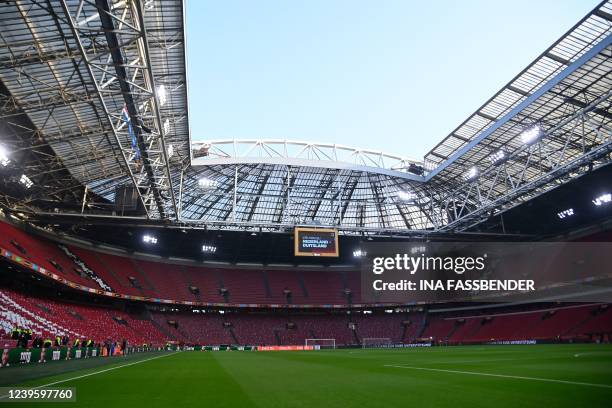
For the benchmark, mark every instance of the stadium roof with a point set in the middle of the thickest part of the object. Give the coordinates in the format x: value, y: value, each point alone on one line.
x: 94, y: 96
x: 284, y: 183
x: 564, y: 96
x: 70, y: 69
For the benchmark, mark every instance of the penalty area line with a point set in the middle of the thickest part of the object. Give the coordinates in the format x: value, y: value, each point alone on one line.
x: 515, y: 377
x: 97, y: 372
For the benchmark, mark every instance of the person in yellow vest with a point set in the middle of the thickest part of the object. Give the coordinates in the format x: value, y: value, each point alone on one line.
x: 83, y: 345
x: 88, y: 345
x: 46, y: 344
x: 22, y: 340
x: 15, y: 333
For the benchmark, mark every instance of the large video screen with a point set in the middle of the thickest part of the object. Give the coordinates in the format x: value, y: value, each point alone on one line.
x: 316, y: 242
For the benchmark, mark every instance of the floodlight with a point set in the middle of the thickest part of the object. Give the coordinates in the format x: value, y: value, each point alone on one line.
x: 531, y: 135
x: 565, y: 213
x: 162, y: 95
x: 498, y: 157
x: 4, y: 160
x: 170, y: 150
x: 25, y: 180
x: 602, y: 199
x: 149, y: 239
x: 166, y: 126
x: 211, y: 249
x: 471, y: 174
x: 207, y: 183
x: 418, y: 249
x: 406, y: 196
x: 358, y: 253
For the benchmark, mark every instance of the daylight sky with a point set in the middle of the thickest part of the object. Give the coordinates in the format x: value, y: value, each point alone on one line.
x: 395, y: 76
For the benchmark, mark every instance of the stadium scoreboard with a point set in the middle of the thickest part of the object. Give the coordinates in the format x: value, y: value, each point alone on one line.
x: 316, y: 242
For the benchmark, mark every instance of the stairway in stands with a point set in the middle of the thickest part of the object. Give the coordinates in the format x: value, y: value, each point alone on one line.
x: 423, y: 325
x: 13, y: 314
x: 576, y: 327
x: 148, y: 289
x: 164, y: 330
x: 267, y: 284
x: 453, y: 330
x: 190, y: 283
x: 233, y: 334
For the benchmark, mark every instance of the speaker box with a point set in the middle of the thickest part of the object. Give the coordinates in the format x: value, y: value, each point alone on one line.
x: 126, y: 199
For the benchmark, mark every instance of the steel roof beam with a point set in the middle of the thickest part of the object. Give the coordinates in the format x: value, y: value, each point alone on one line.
x: 119, y: 65
x: 299, y: 162
x: 138, y: 9
x: 485, y: 199
x: 598, y: 48
x: 87, y: 63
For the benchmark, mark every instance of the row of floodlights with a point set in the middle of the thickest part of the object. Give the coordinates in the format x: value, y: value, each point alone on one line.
x: 162, y: 98
x: 152, y: 240
x: 406, y: 196
x: 598, y: 201
x: 207, y: 184
x: 360, y: 253
x: 528, y: 137
x: 162, y: 95
x: 149, y: 239
x: 5, y: 161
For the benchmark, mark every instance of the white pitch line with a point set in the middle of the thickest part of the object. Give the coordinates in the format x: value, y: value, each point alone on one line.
x: 97, y: 372
x: 593, y: 353
x: 516, y: 377
x: 105, y: 370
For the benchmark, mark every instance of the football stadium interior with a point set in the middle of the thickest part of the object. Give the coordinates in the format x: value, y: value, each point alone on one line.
x: 133, y: 257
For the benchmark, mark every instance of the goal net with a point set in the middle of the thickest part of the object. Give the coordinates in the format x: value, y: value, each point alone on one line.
x: 321, y: 343
x: 373, y: 342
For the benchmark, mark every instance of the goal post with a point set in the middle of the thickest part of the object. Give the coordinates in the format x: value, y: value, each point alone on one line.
x: 321, y: 343
x: 373, y: 342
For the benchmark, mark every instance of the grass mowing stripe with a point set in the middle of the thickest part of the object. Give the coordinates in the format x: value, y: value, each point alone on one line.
x: 96, y: 372
x: 32, y: 374
x: 105, y: 370
x: 516, y: 377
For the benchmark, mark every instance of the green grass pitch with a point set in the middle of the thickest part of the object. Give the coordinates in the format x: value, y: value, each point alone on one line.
x: 543, y: 376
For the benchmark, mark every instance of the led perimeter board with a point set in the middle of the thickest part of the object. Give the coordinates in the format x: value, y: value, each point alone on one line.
x: 316, y: 242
